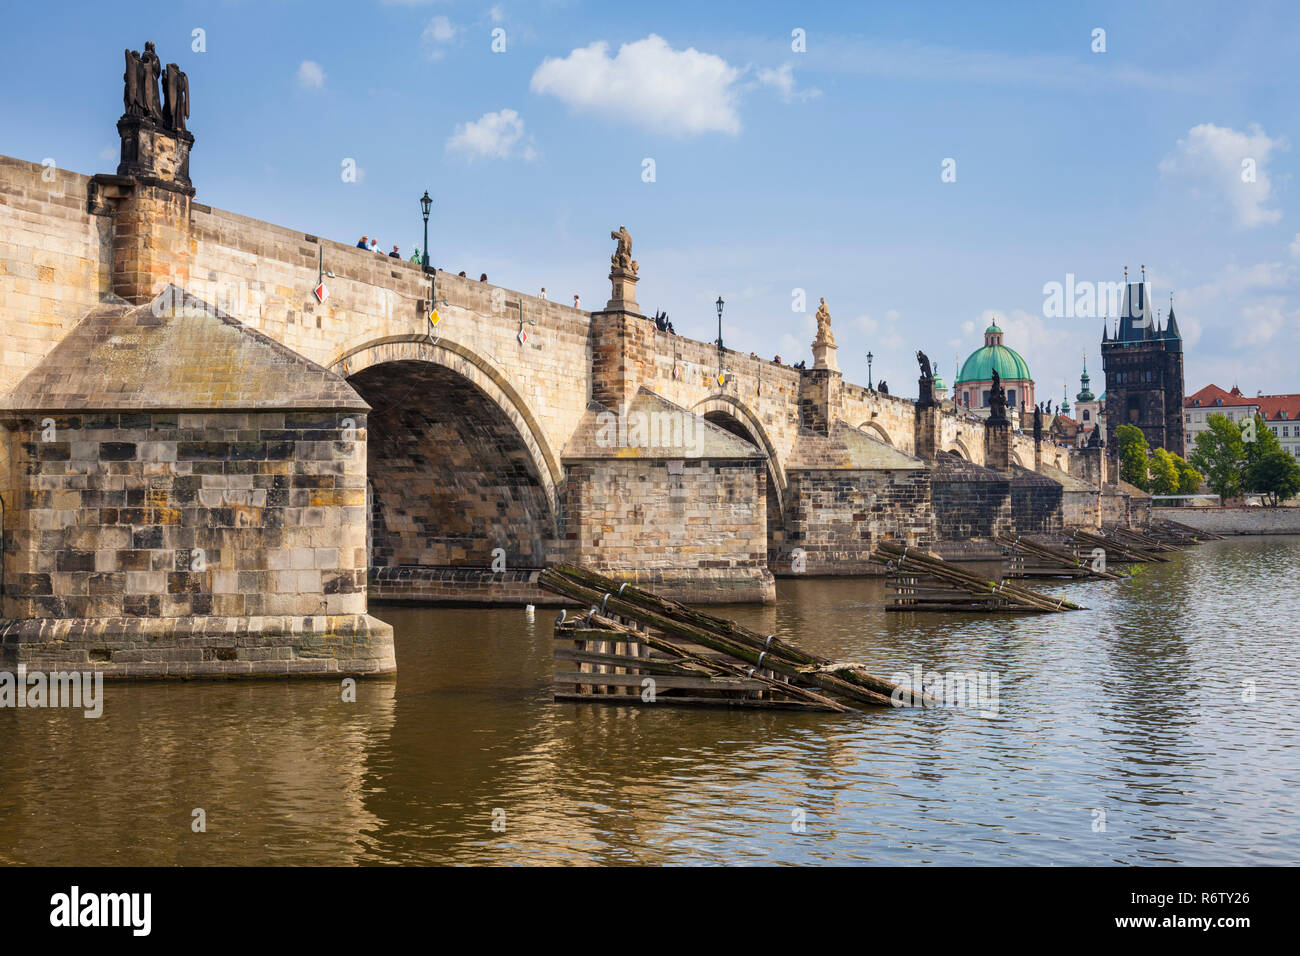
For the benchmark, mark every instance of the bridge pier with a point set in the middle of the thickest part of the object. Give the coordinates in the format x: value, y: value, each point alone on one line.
x: 191, y: 503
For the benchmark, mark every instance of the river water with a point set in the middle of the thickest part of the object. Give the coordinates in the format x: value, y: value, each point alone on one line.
x: 1121, y: 736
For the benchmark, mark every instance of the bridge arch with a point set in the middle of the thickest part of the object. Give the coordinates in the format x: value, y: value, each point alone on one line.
x: 732, y: 414
x: 872, y: 426
x: 459, y: 464
x: 957, y: 448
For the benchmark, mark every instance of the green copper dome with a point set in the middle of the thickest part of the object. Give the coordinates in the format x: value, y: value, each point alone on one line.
x: 979, y: 367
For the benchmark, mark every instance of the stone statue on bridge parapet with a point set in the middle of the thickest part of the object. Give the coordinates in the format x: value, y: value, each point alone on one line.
x: 140, y: 93
x: 622, y: 275
x: 622, y: 257
x: 998, y: 402
x: 925, y: 390
x: 176, y: 97
x: 1038, y: 423
x: 823, y: 347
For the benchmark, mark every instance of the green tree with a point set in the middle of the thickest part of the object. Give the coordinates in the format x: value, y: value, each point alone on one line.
x: 1162, y: 472
x: 1189, y: 479
x: 1258, y: 441
x: 1219, y: 455
x: 1133, y: 456
x: 1276, y: 476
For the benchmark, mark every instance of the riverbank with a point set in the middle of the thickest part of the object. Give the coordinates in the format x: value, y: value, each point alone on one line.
x: 1234, y: 520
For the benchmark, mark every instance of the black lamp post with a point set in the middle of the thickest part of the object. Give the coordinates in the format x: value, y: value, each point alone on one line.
x: 869, y: 358
x: 720, y: 304
x: 425, y: 205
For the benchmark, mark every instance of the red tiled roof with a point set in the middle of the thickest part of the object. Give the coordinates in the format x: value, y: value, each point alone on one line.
x: 1210, y: 395
x: 1272, y: 407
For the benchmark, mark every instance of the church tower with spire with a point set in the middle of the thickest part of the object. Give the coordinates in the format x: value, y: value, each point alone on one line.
x: 1087, y: 406
x: 1143, y: 366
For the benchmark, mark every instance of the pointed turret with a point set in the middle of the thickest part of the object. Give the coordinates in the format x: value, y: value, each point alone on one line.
x: 1171, y: 327
x: 1135, y: 320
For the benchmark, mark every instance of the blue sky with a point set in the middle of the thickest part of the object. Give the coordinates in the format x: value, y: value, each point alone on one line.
x: 774, y: 169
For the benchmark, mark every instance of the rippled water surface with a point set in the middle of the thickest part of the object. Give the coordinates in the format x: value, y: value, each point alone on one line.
x: 1129, y: 714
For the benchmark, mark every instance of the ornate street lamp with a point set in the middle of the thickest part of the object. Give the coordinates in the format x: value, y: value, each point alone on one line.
x: 869, y: 358
x: 720, y: 304
x: 425, y: 205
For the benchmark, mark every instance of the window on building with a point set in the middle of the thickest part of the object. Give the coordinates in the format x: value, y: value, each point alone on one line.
x: 1189, y: 418
x: 1087, y: 415
x: 985, y: 401
x: 1011, y: 397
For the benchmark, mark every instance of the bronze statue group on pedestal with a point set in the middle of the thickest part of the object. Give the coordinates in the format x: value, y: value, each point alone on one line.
x: 140, y: 95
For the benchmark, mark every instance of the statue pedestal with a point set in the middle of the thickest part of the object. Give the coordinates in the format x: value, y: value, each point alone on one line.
x: 824, y: 356
x: 154, y: 154
x: 622, y: 296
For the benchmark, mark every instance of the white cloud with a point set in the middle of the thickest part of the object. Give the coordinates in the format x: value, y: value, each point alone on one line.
x: 310, y: 75
x: 1295, y: 247
x: 1234, y: 280
x: 497, y: 135
x: 681, y: 92
x: 1228, y: 166
x: 438, y: 32
x: 782, y: 80
x: 497, y: 14
x: 1261, y: 322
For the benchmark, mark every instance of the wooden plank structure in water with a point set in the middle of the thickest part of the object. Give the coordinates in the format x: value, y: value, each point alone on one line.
x: 633, y: 647
x: 922, y: 581
x: 1170, y: 529
x: 1033, y: 559
x: 1117, y: 551
x: 1138, y: 539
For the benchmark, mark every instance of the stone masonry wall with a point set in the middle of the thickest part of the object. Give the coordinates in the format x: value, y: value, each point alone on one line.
x: 834, y: 517
x: 969, y: 501
x: 695, y: 528
x: 115, y: 506
x: 1234, y: 520
x: 53, y: 262
x: 1036, y: 503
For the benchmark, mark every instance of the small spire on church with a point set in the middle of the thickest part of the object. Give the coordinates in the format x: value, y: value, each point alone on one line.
x: 1144, y: 273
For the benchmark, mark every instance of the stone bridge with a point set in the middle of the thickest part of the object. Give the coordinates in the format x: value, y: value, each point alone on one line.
x: 502, y: 439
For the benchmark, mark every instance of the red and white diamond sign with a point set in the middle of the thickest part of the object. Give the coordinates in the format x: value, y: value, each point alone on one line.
x: 321, y: 292
x: 523, y: 337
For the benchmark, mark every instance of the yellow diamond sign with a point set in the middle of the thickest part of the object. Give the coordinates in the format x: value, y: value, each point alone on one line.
x: 434, y: 318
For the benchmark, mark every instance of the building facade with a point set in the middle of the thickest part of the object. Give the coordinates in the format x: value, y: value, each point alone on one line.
x: 1281, y: 414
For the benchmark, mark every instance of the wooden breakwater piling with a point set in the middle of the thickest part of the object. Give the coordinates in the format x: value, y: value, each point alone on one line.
x: 1176, y: 530
x: 634, y: 647
x: 1117, y: 551
x: 1034, y: 559
x: 922, y: 581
